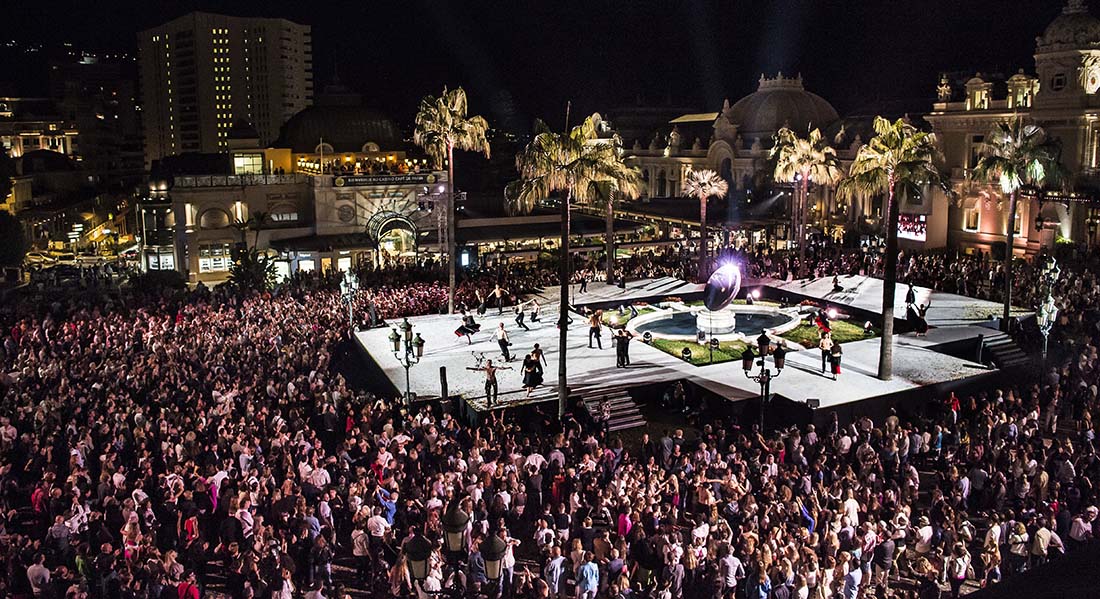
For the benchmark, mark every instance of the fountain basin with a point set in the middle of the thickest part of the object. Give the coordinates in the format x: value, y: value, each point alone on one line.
x: 681, y: 323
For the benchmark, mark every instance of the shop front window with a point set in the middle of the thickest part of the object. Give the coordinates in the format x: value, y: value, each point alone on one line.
x: 214, y: 257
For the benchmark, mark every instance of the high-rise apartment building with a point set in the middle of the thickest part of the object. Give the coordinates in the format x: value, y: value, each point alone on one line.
x: 202, y: 72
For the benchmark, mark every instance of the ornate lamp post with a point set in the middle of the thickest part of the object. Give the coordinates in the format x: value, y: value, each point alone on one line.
x: 493, y: 549
x: 410, y: 356
x: 454, y: 526
x: 1048, y: 311
x: 349, y: 285
x: 418, y: 550
x: 765, y: 376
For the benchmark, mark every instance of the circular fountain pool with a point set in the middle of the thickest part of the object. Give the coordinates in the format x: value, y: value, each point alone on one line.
x: 681, y: 323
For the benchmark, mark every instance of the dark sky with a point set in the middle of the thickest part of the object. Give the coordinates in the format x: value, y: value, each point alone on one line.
x: 520, y: 59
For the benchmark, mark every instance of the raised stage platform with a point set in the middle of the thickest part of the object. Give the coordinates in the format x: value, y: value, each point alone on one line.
x: 918, y: 361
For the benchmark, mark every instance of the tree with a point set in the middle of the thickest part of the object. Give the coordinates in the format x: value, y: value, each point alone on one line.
x: 899, y: 159
x: 1015, y: 155
x: 252, y: 271
x: 703, y: 185
x: 802, y: 161
x: 441, y: 127
x: 571, y: 165
x: 13, y: 241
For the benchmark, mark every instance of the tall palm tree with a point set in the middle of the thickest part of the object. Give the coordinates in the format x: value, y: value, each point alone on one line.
x: 802, y: 161
x: 899, y: 159
x: 703, y: 185
x: 258, y: 222
x: 441, y: 127
x: 572, y: 165
x: 1015, y: 155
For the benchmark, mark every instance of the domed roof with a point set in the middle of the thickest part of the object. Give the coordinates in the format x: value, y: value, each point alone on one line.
x: 777, y: 103
x: 44, y: 161
x: 1075, y: 28
x: 344, y: 128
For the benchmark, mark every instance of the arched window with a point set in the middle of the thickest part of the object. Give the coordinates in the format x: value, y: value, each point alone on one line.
x: 214, y: 218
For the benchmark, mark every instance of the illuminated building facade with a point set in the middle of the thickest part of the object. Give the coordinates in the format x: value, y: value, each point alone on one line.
x: 1063, y: 97
x: 202, y: 72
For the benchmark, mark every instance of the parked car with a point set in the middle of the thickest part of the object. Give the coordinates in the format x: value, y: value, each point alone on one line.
x: 65, y: 258
x: 38, y: 259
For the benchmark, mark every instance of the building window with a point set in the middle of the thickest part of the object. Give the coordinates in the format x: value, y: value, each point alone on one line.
x: 248, y: 164
x: 1017, y: 223
x: 214, y: 257
x: 160, y: 259
x: 215, y: 218
x: 1058, y: 82
x: 970, y: 219
x: 284, y: 217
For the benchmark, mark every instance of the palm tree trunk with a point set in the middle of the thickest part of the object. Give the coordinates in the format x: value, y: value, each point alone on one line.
x: 609, y: 237
x: 803, y: 200
x: 563, y: 304
x: 1009, y: 241
x: 886, y: 344
x: 703, y: 239
x: 451, y: 216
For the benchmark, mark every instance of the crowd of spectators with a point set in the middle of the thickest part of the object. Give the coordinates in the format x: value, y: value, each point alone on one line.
x: 201, y: 443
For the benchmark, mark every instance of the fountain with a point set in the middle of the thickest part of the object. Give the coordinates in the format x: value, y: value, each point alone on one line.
x: 716, y: 318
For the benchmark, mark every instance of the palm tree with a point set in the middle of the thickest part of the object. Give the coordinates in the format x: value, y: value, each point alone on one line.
x: 258, y: 222
x: 899, y: 159
x: 572, y: 165
x: 702, y: 185
x: 1015, y: 155
x: 802, y: 161
x: 441, y: 127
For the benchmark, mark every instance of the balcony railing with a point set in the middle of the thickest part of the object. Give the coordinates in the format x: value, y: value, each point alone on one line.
x: 239, y: 180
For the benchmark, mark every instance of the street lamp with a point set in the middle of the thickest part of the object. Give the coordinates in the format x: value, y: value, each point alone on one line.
x: 493, y: 551
x: 1048, y: 311
x: 411, y: 355
x: 454, y: 527
x: 349, y: 285
x: 765, y: 376
x: 417, y: 550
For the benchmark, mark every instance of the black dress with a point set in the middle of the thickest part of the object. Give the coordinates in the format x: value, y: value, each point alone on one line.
x: 532, y: 374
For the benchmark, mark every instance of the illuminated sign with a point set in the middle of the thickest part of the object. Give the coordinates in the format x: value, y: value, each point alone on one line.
x: 365, y: 180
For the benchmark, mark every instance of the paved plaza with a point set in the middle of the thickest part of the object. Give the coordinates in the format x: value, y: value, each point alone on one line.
x: 916, y: 359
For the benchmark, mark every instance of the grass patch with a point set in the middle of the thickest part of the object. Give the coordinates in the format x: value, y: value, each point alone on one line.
x: 625, y: 318
x: 843, y: 331
x: 728, y: 351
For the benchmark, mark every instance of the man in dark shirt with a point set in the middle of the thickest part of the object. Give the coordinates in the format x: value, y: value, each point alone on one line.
x: 883, y: 557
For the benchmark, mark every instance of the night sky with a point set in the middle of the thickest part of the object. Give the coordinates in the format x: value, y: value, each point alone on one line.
x: 522, y: 59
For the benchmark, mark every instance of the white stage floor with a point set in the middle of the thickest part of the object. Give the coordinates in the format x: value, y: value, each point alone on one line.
x: 865, y: 293
x: 915, y: 363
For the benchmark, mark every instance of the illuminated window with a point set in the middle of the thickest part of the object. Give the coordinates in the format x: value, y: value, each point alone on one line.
x: 284, y: 217
x: 214, y: 257
x: 1017, y: 224
x: 249, y: 164
x: 971, y: 219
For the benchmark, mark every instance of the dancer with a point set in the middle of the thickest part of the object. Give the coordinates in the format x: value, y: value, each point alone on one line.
x: 532, y: 374
x: 826, y: 347
x: 467, y: 328
x: 595, y: 328
x: 491, y: 387
x: 535, y: 309
x: 503, y: 342
x: 520, y: 315
x: 835, y: 355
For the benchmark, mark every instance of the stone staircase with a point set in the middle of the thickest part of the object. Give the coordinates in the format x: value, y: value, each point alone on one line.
x: 624, y: 412
x: 1002, y: 351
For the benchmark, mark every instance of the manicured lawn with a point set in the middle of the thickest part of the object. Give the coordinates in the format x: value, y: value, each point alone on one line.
x: 625, y: 318
x: 727, y: 351
x: 843, y: 332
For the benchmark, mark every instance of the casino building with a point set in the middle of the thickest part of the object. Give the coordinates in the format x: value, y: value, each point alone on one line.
x: 336, y: 189
x: 1063, y: 97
